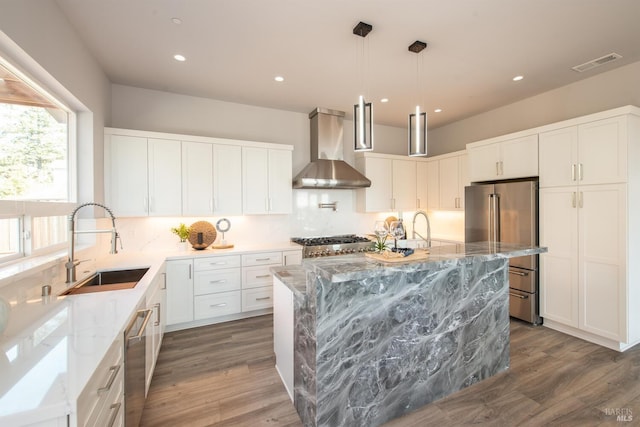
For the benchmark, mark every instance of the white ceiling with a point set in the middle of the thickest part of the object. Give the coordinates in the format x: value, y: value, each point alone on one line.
x: 235, y: 48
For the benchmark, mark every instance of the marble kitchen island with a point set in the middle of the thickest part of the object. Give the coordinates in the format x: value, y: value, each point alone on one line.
x: 373, y: 340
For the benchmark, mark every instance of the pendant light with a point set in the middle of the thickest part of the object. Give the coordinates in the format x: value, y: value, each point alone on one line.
x: 418, y: 119
x: 362, y: 111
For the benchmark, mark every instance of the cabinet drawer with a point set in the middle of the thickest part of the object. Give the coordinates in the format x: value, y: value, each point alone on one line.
x: 112, y: 407
x: 214, y: 305
x: 214, y: 263
x: 208, y: 282
x: 256, y: 277
x: 106, y: 381
x: 255, y: 299
x: 265, y: 258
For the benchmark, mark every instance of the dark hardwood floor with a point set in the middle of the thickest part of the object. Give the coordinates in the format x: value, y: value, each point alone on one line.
x: 224, y: 375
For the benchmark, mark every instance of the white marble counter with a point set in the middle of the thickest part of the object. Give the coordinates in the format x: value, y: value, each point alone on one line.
x: 52, y: 345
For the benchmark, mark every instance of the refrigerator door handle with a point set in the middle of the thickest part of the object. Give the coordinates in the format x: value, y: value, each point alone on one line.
x: 490, y: 217
x: 495, y: 207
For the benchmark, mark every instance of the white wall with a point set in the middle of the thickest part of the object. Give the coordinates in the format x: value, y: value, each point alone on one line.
x: 37, y: 38
x: 604, y: 91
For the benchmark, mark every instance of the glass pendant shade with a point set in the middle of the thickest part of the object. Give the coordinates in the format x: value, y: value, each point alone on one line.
x: 418, y: 133
x: 362, y: 126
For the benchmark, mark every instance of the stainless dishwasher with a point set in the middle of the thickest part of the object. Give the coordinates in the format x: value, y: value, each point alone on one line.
x: 134, y: 365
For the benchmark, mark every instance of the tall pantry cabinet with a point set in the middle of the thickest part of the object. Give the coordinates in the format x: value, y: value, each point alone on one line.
x: 590, y: 222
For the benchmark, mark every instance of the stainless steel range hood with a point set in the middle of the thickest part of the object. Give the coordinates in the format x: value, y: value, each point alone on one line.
x: 327, y: 168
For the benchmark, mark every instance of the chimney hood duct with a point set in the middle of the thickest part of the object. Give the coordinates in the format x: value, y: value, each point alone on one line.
x: 327, y: 168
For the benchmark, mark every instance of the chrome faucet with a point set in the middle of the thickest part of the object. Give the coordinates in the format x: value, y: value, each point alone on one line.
x: 71, y: 263
x: 413, y: 225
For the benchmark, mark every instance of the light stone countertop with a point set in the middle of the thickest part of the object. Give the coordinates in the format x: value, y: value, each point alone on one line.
x: 52, y: 345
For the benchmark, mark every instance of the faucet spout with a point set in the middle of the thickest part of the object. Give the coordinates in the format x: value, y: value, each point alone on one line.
x: 71, y: 263
x: 415, y: 216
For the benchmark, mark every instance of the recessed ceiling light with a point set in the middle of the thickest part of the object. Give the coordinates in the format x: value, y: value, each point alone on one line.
x: 176, y: 21
x: 438, y: 110
x: 1, y: 80
x: 383, y: 100
x: 278, y: 78
x: 518, y: 78
x: 179, y: 57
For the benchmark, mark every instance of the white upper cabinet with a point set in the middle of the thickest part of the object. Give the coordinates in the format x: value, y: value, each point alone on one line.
x: 266, y: 181
x: 157, y: 174
x: 127, y: 186
x: 589, y: 153
x: 503, y: 159
x: 452, y: 178
x: 433, y: 185
x: 393, y: 183
x: 227, y: 179
x: 165, y: 170
x: 422, y: 185
x: 197, y: 178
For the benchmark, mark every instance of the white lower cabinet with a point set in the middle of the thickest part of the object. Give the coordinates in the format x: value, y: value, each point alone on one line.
x: 218, y: 288
x: 102, y: 400
x: 157, y: 303
x: 283, y: 333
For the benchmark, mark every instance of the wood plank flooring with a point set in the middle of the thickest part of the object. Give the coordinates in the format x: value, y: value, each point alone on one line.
x: 224, y: 375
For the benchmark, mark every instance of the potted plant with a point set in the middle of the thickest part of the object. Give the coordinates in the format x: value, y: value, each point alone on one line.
x: 182, y: 231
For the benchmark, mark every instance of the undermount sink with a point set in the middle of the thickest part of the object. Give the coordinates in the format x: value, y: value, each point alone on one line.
x: 108, y: 281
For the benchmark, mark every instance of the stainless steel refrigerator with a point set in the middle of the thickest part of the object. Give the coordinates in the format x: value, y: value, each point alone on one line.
x: 507, y: 211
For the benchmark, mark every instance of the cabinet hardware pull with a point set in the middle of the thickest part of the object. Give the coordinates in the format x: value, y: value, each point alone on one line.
x: 263, y: 259
x: 115, y: 408
x: 573, y: 199
x: 262, y: 276
x: 189, y: 271
x: 218, y: 281
x: 113, y: 371
x: 157, y: 322
x: 262, y: 299
x: 218, y: 263
x: 580, y: 200
x: 573, y: 172
x: 501, y: 168
x: 164, y: 281
x: 497, y: 169
x: 518, y: 273
x: 580, y: 172
x: 222, y: 304
x: 147, y: 316
x: 418, y: 202
x: 270, y: 206
x: 519, y: 296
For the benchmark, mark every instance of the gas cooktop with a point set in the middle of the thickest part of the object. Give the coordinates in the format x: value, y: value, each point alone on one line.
x: 333, y: 245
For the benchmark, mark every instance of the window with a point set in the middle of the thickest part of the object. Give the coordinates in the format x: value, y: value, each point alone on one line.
x: 36, y: 146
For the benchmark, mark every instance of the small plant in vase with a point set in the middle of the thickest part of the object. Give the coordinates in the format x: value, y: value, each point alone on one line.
x: 182, y: 231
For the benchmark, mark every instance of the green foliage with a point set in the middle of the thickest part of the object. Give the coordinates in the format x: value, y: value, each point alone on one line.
x: 31, y: 140
x: 182, y: 231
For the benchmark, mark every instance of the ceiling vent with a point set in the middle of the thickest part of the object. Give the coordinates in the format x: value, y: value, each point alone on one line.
x: 596, y: 62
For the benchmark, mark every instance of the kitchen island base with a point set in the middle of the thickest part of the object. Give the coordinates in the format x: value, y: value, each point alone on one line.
x: 375, y: 341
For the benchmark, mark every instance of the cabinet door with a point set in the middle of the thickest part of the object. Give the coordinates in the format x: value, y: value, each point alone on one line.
x: 602, y: 151
x: 404, y: 184
x: 519, y: 157
x: 227, y: 180
x: 558, y: 152
x: 422, y: 186
x: 155, y: 328
x: 179, y: 291
x: 255, y: 185
x: 283, y: 333
x: 165, y: 171
x: 559, y: 266
x: 433, y: 185
x: 449, y: 183
x: 128, y: 178
x: 602, y: 255
x: 484, y: 162
x: 197, y: 178
x: 280, y: 177
x: 463, y: 179
x: 291, y: 257
x: 378, y: 197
